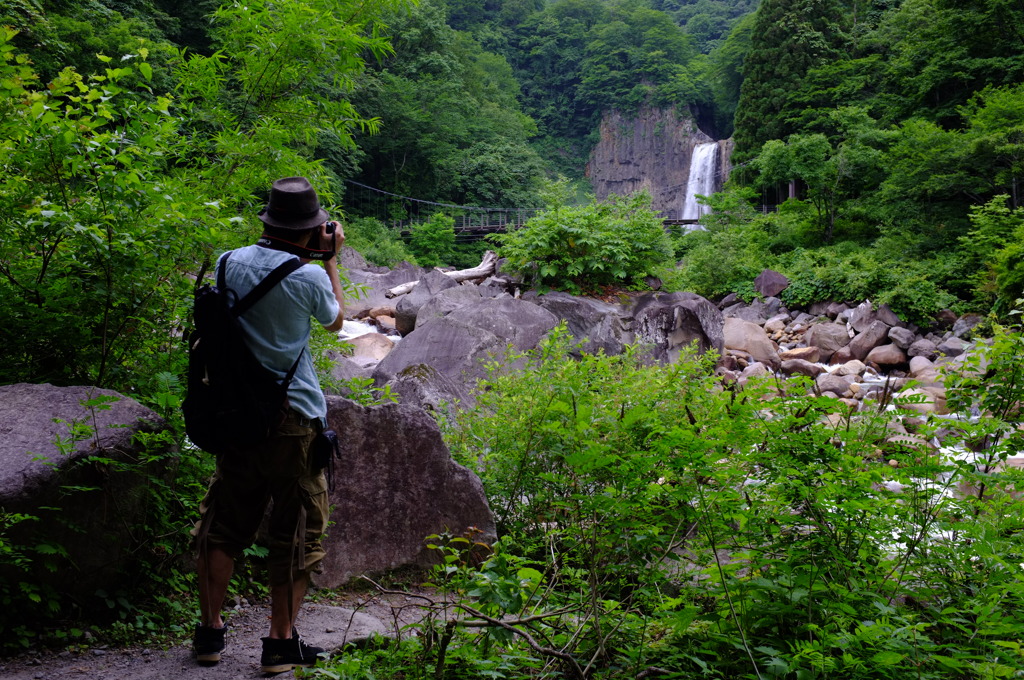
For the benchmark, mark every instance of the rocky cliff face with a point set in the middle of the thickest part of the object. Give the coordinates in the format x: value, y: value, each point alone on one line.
x: 652, y: 151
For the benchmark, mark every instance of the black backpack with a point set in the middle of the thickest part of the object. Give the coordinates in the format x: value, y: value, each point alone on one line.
x: 233, y: 401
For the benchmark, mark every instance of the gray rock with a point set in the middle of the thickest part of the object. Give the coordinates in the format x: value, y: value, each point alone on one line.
x: 423, y: 386
x: 819, y: 309
x: 827, y: 337
x: 804, y: 319
x: 862, y: 316
x: 902, y: 337
x: 375, y: 283
x: 350, y: 258
x: 919, y: 365
x: 834, y: 309
x: 750, y: 338
x: 457, y: 345
x: 37, y: 474
x: 394, y: 485
x: 801, y: 367
x: 852, y: 367
x: 810, y: 354
x: 446, y: 301
x: 923, y: 347
x: 776, y: 323
x: 344, y: 369
x: 836, y: 384
x: 756, y: 312
x: 729, y: 300
x: 430, y: 284
x: 874, y: 335
x: 887, y: 316
x: 887, y: 356
x: 944, y: 320
x: 843, y: 355
x: 770, y: 283
x: 673, y: 321
x: 597, y: 325
x: 953, y: 346
x: 741, y: 310
x: 965, y: 324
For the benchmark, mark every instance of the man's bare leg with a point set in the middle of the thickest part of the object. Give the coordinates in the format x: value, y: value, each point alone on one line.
x: 215, y: 567
x: 282, y: 619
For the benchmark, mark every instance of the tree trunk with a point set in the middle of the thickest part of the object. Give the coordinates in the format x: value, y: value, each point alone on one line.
x: 485, y: 268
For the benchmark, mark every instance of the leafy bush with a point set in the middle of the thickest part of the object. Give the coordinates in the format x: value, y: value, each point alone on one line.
x: 994, y: 254
x: 375, y: 241
x: 721, y: 260
x: 433, y: 241
x: 577, y: 248
x: 655, y: 524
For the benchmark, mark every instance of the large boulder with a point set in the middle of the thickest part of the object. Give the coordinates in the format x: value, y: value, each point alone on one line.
x: 447, y: 301
x: 750, y: 338
x: 432, y: 283
x: 597, y: 325
x: 374, y: 282
x: 422, y: 385
x: 458, y: 345
x: 923, y: 347
x: 770, y: 283
x: 827, y: 337
x: 93, y: 477
x: 394, y: 485
x: 887, y: 356
x: 871, y: 337
x: 902, y: 337
x: 757, y: 311
x: 671, y: 322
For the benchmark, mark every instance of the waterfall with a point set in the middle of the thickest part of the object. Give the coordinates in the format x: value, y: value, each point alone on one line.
x: 703, y: 179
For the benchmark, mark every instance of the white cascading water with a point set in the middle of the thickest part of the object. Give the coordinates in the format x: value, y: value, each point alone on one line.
x: 703, y: 179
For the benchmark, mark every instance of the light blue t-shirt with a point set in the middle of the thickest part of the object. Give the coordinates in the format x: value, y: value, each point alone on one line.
x: 277, y: 327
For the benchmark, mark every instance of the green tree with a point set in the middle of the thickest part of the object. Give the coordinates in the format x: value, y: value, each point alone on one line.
x: 111, y: 197
x: 639, y: 57
x: 789, y: 38
x: 831, y: 173
x: 946, y: 50
x: 996, y: 133
x: 454, y: 130
x: 433, y: 241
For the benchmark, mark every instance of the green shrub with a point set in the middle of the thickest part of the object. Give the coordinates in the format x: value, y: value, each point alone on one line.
x: 375, y: 241
x: 577, y: 248
x: 433, y: 241
x: 652, y: 520
x: 721, y: 260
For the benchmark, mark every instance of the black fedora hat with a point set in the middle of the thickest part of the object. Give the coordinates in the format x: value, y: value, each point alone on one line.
x: 293, y: 204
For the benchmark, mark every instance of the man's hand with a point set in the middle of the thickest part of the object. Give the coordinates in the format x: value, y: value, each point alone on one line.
x: 332, y: 240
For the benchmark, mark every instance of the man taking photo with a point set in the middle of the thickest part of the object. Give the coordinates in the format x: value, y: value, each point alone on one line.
x: 281, y: 469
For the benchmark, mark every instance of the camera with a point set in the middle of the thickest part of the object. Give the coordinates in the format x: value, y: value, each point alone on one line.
x: 331, y: 226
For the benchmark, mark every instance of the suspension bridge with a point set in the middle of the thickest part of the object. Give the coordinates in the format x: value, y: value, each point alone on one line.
x: 402, y: 212
x: 471, y: 222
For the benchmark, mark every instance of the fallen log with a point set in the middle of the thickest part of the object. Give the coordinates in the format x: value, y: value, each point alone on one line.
x: 485, y: 268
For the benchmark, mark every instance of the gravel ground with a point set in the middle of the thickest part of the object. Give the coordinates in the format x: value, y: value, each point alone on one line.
x: 329, y: 625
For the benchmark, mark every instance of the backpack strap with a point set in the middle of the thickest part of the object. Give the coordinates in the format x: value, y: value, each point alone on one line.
x: 262, y: 288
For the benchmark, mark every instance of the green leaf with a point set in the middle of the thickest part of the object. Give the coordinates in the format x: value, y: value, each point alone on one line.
x: 888, y: 658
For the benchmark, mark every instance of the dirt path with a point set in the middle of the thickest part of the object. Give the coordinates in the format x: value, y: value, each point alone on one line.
x: 327, y: 625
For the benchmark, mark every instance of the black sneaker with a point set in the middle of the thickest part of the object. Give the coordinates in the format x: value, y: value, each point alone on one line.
x: 284, y: 655
x: 208, y: 643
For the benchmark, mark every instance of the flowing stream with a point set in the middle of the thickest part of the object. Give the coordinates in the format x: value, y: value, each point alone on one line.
x: 703, y: 179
